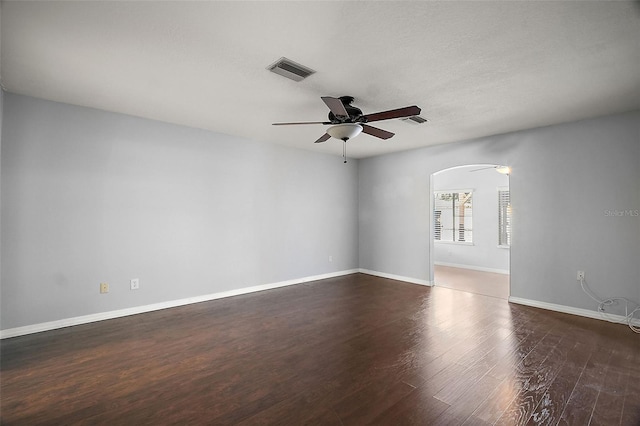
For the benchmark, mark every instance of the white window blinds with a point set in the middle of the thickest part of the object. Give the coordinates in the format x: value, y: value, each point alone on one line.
x: 453, y: 216
x: 504, y: 218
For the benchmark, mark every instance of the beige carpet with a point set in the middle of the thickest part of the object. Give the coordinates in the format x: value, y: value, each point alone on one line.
x: 486, y: 283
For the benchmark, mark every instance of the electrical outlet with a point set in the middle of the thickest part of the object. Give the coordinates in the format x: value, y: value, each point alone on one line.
x: 580, y: 276
x: 330, y: 258
x: 104, y: 288
x: 135, y: 284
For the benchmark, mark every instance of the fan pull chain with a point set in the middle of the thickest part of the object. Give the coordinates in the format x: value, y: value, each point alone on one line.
x: 344, y: 151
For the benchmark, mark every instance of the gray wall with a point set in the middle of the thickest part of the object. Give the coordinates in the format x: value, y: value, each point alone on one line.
x: 484, y: 251
x: 1, y: 117
x: 584, y: 169
x: 90, y: 196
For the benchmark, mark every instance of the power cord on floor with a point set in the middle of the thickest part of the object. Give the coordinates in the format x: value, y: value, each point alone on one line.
x: 629, y: 316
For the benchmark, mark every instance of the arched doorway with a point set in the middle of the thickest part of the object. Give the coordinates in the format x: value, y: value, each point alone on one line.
x: 471, y: 229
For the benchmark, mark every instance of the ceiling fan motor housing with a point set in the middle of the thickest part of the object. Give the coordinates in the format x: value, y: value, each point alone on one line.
x: 355, y: 114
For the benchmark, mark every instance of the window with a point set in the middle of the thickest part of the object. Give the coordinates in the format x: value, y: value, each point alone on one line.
x: 504, y: 218
x: 452, y: 216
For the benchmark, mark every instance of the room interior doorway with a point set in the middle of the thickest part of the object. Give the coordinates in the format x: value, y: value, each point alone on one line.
x: 471, y: 229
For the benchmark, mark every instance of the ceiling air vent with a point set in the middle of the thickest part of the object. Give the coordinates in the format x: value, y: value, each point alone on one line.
x: 287, y: 68
x: 415, y: 119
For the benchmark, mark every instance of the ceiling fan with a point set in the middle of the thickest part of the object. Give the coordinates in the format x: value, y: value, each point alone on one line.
x: 347, y: 121
x: 504, y: 170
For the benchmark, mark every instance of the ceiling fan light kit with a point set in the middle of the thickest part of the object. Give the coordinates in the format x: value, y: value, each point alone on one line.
x: 344, y: 131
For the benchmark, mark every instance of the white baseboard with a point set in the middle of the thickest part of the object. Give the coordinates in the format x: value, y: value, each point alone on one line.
x: 473, y: 268
x: 395, y: 277
x: 574, y: 311
x: 85, y: 319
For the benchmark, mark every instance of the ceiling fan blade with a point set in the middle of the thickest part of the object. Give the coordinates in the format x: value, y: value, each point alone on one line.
x: 301, y: 122
x: 394, y: 113
x: 336, y: 106
x: 374, y: 131
x: 323, y: 138
x: 483, y: 168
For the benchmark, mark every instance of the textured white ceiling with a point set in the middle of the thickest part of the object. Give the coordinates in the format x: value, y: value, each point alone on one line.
x: 475, y: 68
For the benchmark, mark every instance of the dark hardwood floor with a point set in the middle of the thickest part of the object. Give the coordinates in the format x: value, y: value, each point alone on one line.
x: 346, y: 351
